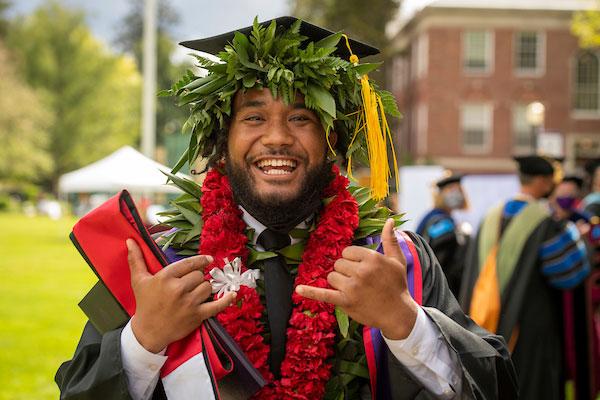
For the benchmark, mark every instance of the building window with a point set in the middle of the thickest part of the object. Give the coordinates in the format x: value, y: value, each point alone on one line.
x: 586, y: 82
x: 522, y: 139
x: 477, y: 51
x: 420, y: 57
x: 529, y: 52
x: 476, y: 126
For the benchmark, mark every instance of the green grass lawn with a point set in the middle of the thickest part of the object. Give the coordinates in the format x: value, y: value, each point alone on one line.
x: 43, y: 279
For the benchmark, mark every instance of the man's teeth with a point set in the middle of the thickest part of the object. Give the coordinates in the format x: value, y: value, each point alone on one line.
x: 276, y: 163
x: 276, y: 172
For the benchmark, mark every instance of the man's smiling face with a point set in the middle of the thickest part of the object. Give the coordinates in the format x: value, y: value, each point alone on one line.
x: 278, y: 147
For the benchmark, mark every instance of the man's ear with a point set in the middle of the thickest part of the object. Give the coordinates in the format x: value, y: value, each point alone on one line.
x: 332, y: 140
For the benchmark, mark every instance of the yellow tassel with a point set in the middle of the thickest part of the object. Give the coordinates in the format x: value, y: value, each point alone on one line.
x: 372, y: 119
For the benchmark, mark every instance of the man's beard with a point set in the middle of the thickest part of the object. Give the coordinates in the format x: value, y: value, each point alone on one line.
x: 273, y: 211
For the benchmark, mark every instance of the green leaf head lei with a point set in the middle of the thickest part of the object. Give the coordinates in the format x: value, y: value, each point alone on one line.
x: 279, y: 57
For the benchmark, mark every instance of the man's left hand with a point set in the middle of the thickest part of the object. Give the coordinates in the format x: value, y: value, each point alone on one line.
x: 371, y: 287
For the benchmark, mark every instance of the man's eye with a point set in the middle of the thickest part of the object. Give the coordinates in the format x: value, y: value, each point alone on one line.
x: 253, y: 118
x: 299, y: 118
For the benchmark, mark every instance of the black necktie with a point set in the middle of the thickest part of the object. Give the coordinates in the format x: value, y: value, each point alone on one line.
x: 279, y: 285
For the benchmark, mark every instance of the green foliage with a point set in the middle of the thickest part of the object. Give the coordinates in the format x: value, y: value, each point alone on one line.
x: 185, y: 216
x: 93, y: 95
x: 4, y: 21
x: 169, y: 117
x: 24, y: 128
x: 586, y: 26
x: 288, y: 65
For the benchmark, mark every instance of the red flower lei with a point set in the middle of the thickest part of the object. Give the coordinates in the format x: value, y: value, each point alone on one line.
x: 311, y: 330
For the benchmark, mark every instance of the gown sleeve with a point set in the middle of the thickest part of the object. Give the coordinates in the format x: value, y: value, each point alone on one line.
x: 96, y: 369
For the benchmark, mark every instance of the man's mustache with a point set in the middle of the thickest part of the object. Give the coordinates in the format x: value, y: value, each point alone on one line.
x: 276, y: 153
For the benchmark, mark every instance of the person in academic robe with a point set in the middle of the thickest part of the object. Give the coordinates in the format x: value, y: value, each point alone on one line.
x: 330, y: 300
x: 566, y: 201
x: 522, y: 260
x: 591, y: 202
x: 591, y: 207
x: 440, y: 231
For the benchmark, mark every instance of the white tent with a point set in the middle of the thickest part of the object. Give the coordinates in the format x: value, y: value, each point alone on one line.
x: 126, y: 168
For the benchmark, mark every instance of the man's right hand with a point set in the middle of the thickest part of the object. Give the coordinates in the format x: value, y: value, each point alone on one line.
x: 171, y: 303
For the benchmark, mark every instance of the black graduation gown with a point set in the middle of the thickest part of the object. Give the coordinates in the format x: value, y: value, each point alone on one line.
x: 96, y: 370
x: 531, y: 305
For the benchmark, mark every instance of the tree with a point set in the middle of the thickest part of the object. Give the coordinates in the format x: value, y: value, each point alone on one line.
x: 93, y: 95
x: 4, y: 22
x: 24, y: 123
x: 586, y: 26
x: 169, y: 117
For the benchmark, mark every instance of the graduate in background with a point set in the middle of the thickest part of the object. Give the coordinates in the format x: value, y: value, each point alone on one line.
x: 565, y: 203
x: 522, y: 260
x: 566, y: 199
x: 591, y: 202
x: 440, y: 230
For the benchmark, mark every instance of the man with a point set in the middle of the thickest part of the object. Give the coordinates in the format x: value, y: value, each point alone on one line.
x: 273, y: 201
x: 522, y: 259
x: 441, y: 233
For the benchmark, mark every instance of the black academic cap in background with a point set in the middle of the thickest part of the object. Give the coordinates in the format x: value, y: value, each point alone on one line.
x: 535, y: 165
x: 591, y: 166
x: 577, y: 180
x: 215, y: 44
x: 451, y: 178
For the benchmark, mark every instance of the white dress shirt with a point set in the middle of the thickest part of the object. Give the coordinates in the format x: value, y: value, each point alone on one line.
x: 424, y: 352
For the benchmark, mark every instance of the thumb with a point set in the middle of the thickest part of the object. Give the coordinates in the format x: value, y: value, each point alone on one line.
x: 391, y: 248
x: 135, y: 258
x: 212, y: 308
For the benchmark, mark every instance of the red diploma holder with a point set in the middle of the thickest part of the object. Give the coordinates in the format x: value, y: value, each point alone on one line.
x: 100, y: 238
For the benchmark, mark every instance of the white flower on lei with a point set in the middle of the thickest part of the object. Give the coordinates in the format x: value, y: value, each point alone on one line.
x: 230, y: 278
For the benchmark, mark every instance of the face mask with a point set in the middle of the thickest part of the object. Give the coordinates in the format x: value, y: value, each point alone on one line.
x: 566, y: 203
x: 454, y: 199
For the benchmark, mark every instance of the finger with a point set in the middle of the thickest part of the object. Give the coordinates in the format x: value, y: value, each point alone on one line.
x: 345, y: 266
x: 391, y: 247
x: 191, y: 280
x: 187, y: 265
x: 355, y: 253
x: 320, y: 294
x: 135, y: 258
x: 338, y: 281
x: 201, y: 292
x: 212, y: 308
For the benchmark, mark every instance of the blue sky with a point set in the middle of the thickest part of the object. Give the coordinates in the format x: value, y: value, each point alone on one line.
x: 198, y: 18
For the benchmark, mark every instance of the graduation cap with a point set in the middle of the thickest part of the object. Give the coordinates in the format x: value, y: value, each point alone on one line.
x: 451, y: 178
x: 591, y: 166
x: 535, y: 165
x: 577, y: 180
x: 215, y: 44
x: 329, y: 85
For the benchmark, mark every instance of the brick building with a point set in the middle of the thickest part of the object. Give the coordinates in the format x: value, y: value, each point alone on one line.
x: 466, y: 71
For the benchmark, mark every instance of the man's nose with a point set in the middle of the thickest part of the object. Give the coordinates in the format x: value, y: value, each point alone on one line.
x: 277, y: 133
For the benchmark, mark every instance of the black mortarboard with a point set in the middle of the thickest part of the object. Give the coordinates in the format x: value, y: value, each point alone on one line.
x: 453, y: 178
x: 577, y: 180
x: 215, y: 44
x: 535, y: 165
x: 592, y: 165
